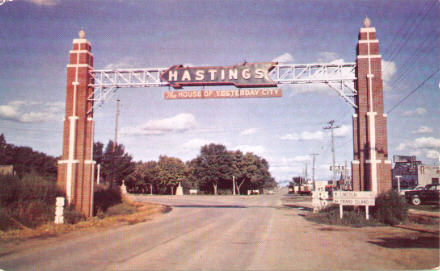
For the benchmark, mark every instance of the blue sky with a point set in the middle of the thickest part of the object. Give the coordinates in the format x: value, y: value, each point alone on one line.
x: 36, y: 36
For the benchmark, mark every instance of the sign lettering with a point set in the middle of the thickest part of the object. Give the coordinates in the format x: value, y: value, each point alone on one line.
x: 365, y: 198
x: 215, y: 94
x: 244, y: 75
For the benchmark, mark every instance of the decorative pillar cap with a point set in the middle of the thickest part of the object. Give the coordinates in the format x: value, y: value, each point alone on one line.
x: 367, y: 22
x: 82, y: 34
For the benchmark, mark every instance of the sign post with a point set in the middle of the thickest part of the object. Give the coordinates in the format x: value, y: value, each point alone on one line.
x: 354, y: 198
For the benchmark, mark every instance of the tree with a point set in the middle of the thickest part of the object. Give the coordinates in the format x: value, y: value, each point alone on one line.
x: 25, y: 160
x: 144, y: 177
x: 171, y: 172
x: 117, y: 164
x: 251, y: 170
x: 213, y: 166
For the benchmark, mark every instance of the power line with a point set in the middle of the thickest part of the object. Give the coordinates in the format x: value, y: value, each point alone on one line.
x: 413, y: 91
x: 414, y: 58
x: 407, y: 36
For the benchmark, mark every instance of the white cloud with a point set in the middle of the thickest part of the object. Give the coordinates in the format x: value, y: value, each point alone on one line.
x: 388, y: 70
x: 249, y: 131
x: 31, y: 112
x: 179, y: 123
x: 9, y: 112
x: 344, y: 130
x: 255, y: 149
x: 432, y: 154
x: 301, y: 158
x: 425, y: 146
x: 401, y: 147
x: 284, y: 58
x: 418, y: 111
x: 196, y: 143
x: 318, y: 135
x: 423, y: 130
x: 126, y: 62
x: 427, y: 142
x: 44, y: 2
x: 326, y: 57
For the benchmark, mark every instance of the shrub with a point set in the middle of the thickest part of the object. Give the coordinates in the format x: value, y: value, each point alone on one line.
x: 26, y: 202
x: 72, y: 216
x: 120, y: 209
x: 105, y: 198
x: 390, y: 208
x: 352, y: 216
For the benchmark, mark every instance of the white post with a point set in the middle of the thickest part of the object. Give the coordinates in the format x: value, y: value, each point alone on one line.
x: 398, y: 184
x: 59, y: 210
x: 99, y: 173
x: 366, y: 212
x: 340, y: 211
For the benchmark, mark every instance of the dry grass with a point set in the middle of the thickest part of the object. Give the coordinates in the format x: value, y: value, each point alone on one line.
x: 145, y: 211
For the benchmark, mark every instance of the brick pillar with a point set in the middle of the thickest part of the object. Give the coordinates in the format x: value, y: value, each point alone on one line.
x: 371, y: 169
x: 76, y: 167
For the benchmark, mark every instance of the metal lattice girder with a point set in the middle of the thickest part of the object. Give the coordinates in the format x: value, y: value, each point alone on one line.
x: 338, y: 76
x: 313, y: 73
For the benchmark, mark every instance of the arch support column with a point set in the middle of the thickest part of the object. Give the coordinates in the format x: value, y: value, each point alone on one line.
x: 371, y: 169
x: 76, y: 167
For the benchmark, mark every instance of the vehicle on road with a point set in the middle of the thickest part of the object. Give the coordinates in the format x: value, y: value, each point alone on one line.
x: 431, y: 193
x: 404, y: 190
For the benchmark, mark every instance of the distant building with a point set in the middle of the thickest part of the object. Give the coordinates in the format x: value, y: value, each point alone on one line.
x: 7, y: 170
x: 413, y: 172
x: 428, y: 174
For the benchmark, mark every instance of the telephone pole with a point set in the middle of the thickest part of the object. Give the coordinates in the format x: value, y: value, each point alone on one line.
x: 331, y: 128
x: 313, y: 169
x: 115, y: 143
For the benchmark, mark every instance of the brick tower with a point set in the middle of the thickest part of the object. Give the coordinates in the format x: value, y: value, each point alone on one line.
x: 76, y: 167
x: 371, y: 169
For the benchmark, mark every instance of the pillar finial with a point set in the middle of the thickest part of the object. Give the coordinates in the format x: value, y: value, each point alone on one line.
x: 82, y: 34
x: 367, y: 22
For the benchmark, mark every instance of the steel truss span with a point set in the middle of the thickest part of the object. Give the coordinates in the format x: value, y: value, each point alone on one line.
x: 339, y: 77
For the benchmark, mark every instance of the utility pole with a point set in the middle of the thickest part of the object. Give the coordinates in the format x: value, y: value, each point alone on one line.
x: 305, y: 173
x: 313, y: 169
x: 115, y: 142
x: 233, y: 185
x: 331, y: 128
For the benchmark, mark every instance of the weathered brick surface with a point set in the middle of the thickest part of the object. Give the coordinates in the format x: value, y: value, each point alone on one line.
x: 77, y: 105
x: 362, y: 173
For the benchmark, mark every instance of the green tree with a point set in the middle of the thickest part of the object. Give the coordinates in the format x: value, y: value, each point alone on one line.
x: 213, y: 166
x: 116, y: 164
x: 25, y: 160
x: 144, y: 177
x: 171, y: 172
x: 251, y: 171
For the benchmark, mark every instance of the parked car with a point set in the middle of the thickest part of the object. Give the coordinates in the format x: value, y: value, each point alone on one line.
x: 404, y: 190
x: 431, y: 193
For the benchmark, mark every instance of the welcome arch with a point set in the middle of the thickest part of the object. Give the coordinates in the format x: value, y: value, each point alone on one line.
x: 88, y: 87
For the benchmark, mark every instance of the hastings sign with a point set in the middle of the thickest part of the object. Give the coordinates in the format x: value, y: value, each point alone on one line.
x: 244, y: 75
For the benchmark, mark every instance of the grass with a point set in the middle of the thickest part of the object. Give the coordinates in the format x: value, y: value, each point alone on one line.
x: 143, y: 212
x: 351, y: 217
x: 425, y: 207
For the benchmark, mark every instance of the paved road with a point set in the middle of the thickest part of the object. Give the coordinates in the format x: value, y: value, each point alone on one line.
x: 229, y: 233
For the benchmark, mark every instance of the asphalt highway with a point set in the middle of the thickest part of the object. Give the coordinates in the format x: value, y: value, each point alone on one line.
x: 224, y: 233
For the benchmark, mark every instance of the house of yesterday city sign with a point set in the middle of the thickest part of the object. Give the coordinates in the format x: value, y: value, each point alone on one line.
x: 246, y: 75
